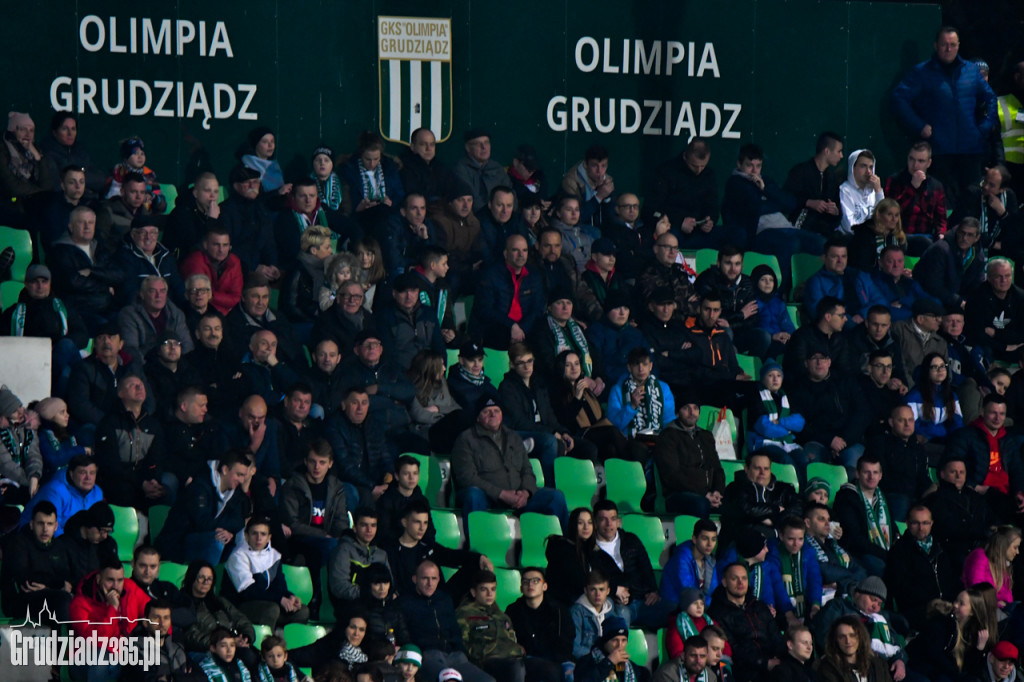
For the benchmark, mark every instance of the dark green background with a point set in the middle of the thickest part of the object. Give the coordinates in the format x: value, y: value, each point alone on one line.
x: 796, y: 66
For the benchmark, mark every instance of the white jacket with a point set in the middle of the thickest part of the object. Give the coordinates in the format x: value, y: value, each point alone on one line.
x: 857, y: 205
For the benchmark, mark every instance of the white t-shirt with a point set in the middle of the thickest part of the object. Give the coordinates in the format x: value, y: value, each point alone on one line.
x: 613, y: 550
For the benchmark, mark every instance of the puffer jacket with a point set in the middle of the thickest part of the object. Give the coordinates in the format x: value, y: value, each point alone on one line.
x: 363, y: 451
x: 687, y: 461
x: 91, y: 614
x: 129, y: 450
x: 346, y: 561
x: 734, y: 295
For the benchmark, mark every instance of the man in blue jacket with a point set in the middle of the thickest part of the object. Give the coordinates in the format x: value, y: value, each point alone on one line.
x: 797, y: 563
x: 70, y: 491
x: 947, y: 101
x: 692, y: 565
x: 853, y: 287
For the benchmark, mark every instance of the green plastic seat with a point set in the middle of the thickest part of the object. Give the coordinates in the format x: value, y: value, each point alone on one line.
x: 126, y: 531
x: 787, y: 474
x: 496, y: 363
x: 684, y: 524
x: 299, y: 580
x: 21, y: 242
x: 732, y: 468
x: 9, y: 292
x: 794, y: 314
x: 705, y: 259
x: 509, y: 586
x: 751, y: 259
x: 453, y: 358
x: 636, y: 645
x: 431, y: 479
x: 172, y: 572
x: 446, y: 527
x: 301, y: 634
x: 910, y: 261
x: 170, y: 192
x: 651, y: 534
x: 491, y: 535
x: 157, y: 518
x: 326, y: 614
x: 625, y: 484
x: 749, y: 364
x: 901, y: 526
x: 262, y: 632
x: 835, y: 474
x: 577, y: 480
x: 804, y: 266
x: 535, y: 529
x: 538, y: 471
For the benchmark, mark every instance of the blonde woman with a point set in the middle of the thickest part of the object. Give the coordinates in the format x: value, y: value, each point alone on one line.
x: 992, y: 563
x: 301, y: 291
x: 884, y: 229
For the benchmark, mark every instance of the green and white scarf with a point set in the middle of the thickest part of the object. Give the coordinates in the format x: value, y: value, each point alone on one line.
x: 879, y: 529
x: 775, y: 412
x: 266, y: 676
x: 329, y: 191
x: 629, y: 675
x: 352, y: 654
x: 686, y: 626
x: 756, y: 573
x: 819, y: 551
x: 18, y: 449
x: 472, y: 378
x: 214, y: 673
x: 18, y: 318
x: 442, y: 302
x: 703, y: 677
x: 574, y: 341
x: 374, y: 191
x: 794, y: 581
x: 648, y: 414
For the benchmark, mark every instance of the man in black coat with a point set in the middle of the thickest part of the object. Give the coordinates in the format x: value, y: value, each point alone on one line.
x: 84, y: 276
x: 757, y: 500
x: 736, y: 291
x: 962, y: 517
x: 815, y: 184
x: 753, y: 634
x: 920, y: 569
x: 875, y: 334
x: 869, y: 528
x: 422, y: 172
x: 86, y: 540
x: 36, y: 568
x: 253, y: 314
x: 542, y: 627
x: 365, y: 455
x: 904, y: 461
x: 995, y: 313
x: 876, y: 387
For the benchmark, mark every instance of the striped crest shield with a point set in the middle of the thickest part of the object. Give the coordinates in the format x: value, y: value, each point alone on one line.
x: 415, y: 76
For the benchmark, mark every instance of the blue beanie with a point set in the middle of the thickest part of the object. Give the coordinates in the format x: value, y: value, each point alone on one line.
x: 770, y: 366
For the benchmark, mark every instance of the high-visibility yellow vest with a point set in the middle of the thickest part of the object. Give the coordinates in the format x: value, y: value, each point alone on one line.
x: 1013, y: 130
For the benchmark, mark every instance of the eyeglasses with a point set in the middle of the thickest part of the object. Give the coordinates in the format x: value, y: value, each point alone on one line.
x: 632, y: 206
x: 531, y: 581
x: 667, y: 246
x: 172, y: 342
x: 944, y: 365
x: 372, y: 344
x: 353, y: 297
x: 198, y: 290
x: 204, y: 578
x: 524, y: 362
x: 879, y: 365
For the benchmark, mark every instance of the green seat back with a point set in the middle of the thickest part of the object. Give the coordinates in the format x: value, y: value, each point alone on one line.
x: 126, y: 530
x: 262, y: 632
x: 835, y: 474
x: 731, y: 468
x: 509, y: 586
x: 804, y: 266
x: 538, y: 471
x: 495, y: 365
x: 535, y: 529
x: 9, y: 292
x: 651, y: 534
x: 491, y: 535
x: 172, y: 572
x: 709, y: 417
x: 684, y: 527
x: 705, y: 259
x: 170, y: 192
x: 299, y: 580
x: 21, y: 242
x: 577, y: 480
x: 625, y: 484
x: 794, y: 314
x: 749, y: 364
x: 636, y: 645
x: 157, y: 518
x: 446, y: 527
x: 300, y: 634
x: 751, y: 259
x: 787, y: 474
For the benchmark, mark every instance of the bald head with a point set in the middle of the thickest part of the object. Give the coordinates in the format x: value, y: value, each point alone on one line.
x: 263, y: 346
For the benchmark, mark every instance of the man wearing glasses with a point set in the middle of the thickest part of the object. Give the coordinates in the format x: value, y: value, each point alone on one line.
x: 542, y: 627
x: 665, y: 271
x: 143, y: 255
x: 222, y: 269
x: 919, y: 335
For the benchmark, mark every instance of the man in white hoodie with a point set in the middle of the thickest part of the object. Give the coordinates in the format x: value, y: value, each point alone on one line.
x: 861, y: 191
x: 260, y: 589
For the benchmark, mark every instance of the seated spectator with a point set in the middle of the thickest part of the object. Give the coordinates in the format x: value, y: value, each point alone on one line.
x: 815, y: 184
x: 63, y: 148
x: 210, y: 359
x: 968, y: 366
x: 542, y: 627
x: 509, y: 300
x: 173, y: 661
x: 715, y: 369
x: 253, y: 432
x: 223, y: 660
x: 477, y: 170
x: 378, y: 602
x: 297, y: 429
x: 106, y: 607
x: 692, y: 478
x: 435, y: 293
x: 613, y: 336
x: 988, y: 449
x: 995, y: 313
x: 904, y: 461
x: 797, y: 563
x: 737, y: 294
x: 869, y: 528
x: 133, y: 161
x: 406, y: 325
x: 56, y: 444
x: 599, y: 281
x: 756, y: 499
x: 589, y: 180
x: 71, y: 491
x: 250, y: 224
x: 853, y: 287
x: 421, y: 171
x: 498, y: 222
x: 489, y: 636
x: 345, y: 318
x: 798, y: 664
x: 274, y: 651
x: 257, y: 580
x: 885, y: 228
x: 130, y: 452
x: 24, y: 171
x: 688, y: 663
x: 324, y: 377
x: 666, y: 335
x: 300, y: 295
x: 1001, y: 663
x: 951, y: 269
x: 253, y: 314
x: 919, y: 570
x: 85, y: 277
x: 152, y: 314
x: 116, y: 215
x: 491, y: 469
x: 557, y: 269
x: 772, y: 424
x: 354, y: 551
x: 21, y: 461
x: 392, y: 504
x: 839, y: 571
x: 408, y: 233
x: 461, y: 235
x: 922, y: 199
x: 876, y: 388
x: 609, y: 654
x: 860, y: 195
x: 934, y: 403
x: 825, y: 335
x: 338, y: 270
x: 766, y: 584
x: 834, y: 412
x: 37, y: 570
x: 994, y: 204
x: 590, y: 612
x: 87, y: 542
x: 899, y: 291
x: 876, y: 334
x: 640, y: 404
x: 962, y: 516
x: 756, y: 205
x: 366, y: 452
x: 145, y: 574
x: 434, y: 413
x: 259, y: 156
x: 992, y: 564
x: 374, y: 187
x: 222, y: 269
x: 567, y: 560
x: 467, y: 382
x: 666, y: 272
x: 198, y: 611
x: 918, y: 336
x: 344, y: 644
x: 954, y: 638
x: 772, y: 315
x: 194, y: 214
x: 559, y: 331
x: 141, y: 256
x: 848, y: 651
x: 167, y: 373
x: 263, y: 373
x: 692, y: 567
x: 529, y: 182
x: 208, y: 513
x: 749, y: 623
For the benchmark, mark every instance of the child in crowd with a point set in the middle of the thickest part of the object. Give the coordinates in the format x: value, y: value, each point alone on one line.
x: 772, y: 425
x: 409, y: 660
x: 275, y: 666
x: 338, y: 271
x: 221, y: 664
x: 56, y: 443
x: 688, y: 622
x: 328, y: 186
x: 133, y: 160
x: 818, y: 491
x: 772, y: 315
x: 590, y: 611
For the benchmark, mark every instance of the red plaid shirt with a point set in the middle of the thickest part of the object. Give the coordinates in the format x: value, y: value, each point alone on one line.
x: 923, y: 210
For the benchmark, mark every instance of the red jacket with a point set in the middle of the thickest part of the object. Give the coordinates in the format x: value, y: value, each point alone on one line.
x: 106, y: 621
x: 227, y: 285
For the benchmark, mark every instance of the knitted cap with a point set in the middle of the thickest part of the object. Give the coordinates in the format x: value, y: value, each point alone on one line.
x: 47, y: 408
x: 9, y: 403
x: 258, y: 134
x: 325, y: 150
x: 410, y: 653
x: 449, y: 674
x: 874, y: 586
x: 613, y: 627
x: 15, y: 119
x: 771, y: 366
x: 129, y: 146
x: 749, y: 543
x: 688, y: 595
x: 817, y: 483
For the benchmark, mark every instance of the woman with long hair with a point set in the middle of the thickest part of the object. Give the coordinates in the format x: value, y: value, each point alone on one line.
x: 373, y: 184
x: 954, y: 639
x: 993, y: 564
x: 848, y: 656
x: 434, y: 412
x: 567, y: 558
x: 884, y: 229
x: 934, y: 401
x: 371, y: 273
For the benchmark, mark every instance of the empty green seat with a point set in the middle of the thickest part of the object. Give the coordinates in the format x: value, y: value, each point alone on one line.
x: 786, y: 473
x: 172, y: 572
x: 9, y: 292
x: 750, y: 365
x: 732, y: 469
x: 577, y: 480
x: 157, y: 518
x: 495, y: 364
x: 301, y: 634
x: 446, y: 527
x: 126, y: 531
x: 299, y: 580
x: 625, y: 484
x: 431, y: 478
x: 835, y: 474
x: 21, y: 242
x: 538, y: 471
x: 491, y: 535
x: 535, y: 529
x: 650, y: 532
x: 509, y: 586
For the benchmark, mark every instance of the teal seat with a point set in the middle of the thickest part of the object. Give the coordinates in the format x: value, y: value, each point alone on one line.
x: 157, y: 518
x: 172, y: 572
x: 21, y: 242
x: 577, y: 480
x: 495, y: 364
x: 625, y: 484
x: 126, y: 531
x: 262, y: 632
x: 835, y: 474
x: 804, y: 266
x: 751, y: 259
x: 684, y: 525
x: 787, y: 474
x: 446, y: 528
x: 299, y: 580
x: 651, y: 534
x: 509, y: 586
x: 9, y: 292
x: 705, y: 259
x: 491, y: 535
x: 431, y: 478
x: 910, y: 261
x: 732, y: 468
x: 901, y: 526
x: 535, y: 529
x: 300, y: 634
x: 636, y: 645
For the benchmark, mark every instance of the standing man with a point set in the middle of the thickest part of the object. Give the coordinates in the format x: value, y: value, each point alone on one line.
x: 947, y: 101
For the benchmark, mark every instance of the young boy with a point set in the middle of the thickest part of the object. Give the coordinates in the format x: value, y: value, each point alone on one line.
x: 255, y: 573
x: 275, y: 666
x: 220, y: 664
x: 488, y: 634
x: 641, y: 405
x: 396, y: 499
x: 431, y: 273
x: 590, y: 611
x: 772, y: 425
x: 409, y: 660
x: 798, y: 564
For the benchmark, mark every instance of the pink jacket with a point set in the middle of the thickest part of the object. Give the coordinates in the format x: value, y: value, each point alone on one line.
x: 976, y: 570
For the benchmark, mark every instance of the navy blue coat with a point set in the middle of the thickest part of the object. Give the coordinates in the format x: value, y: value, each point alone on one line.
x: 490, y: 321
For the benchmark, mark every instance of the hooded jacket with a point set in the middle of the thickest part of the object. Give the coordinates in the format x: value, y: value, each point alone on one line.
x: 347, y: 559
x: 856, y: 204
x: 90, y: 613
x: 587, y: 622
x: 27, y: 559
x: 687, y: 461
x: 255, y: 574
